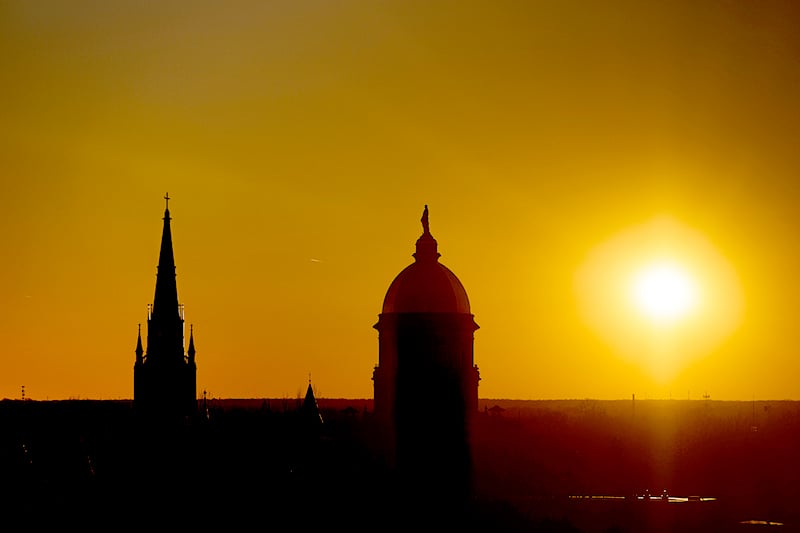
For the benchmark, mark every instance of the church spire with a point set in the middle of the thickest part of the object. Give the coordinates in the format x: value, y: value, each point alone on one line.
x: 427, y: 247
x: 165, y: 302
x: 165, y: 378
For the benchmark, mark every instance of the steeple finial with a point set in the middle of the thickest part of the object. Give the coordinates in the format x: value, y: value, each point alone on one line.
x: 166, y: 197
x: 425, y: 226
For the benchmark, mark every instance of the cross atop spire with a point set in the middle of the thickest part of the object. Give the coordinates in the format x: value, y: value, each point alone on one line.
x: 166, y: 210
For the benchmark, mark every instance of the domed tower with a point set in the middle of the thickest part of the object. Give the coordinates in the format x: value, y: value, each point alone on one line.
x: 164, y: 377
x: 426, y: 383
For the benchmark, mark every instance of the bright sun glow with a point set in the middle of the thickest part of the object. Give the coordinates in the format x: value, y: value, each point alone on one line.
x: 664, y: 292
x: 660, y: 295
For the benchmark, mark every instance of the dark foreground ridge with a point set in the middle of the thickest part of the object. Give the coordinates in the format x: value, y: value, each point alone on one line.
x: 537, y: 466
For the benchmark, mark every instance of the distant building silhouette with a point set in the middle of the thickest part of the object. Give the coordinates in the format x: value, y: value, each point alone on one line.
x: 164, y: 376
x: 425, y: 383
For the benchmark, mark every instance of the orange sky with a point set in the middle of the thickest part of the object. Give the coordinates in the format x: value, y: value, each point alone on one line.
x: 300, y: 140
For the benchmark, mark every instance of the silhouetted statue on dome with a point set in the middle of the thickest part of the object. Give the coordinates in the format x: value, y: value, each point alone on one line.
x: 424, y: 220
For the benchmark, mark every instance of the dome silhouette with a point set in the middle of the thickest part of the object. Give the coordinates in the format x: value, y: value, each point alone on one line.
x: 426, y: 288
x: 426, y: 285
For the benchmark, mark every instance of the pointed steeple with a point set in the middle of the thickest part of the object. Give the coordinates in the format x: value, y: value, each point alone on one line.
x: 427, y: 247
x: 165, y: 302
x: 139, y: 349
x: 190, y: 352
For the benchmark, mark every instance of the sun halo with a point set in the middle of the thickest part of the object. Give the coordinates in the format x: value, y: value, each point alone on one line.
x: 660, y: 295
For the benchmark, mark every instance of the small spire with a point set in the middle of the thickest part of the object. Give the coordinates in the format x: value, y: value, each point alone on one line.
x: 191, y: 350
x: 310, y: 406
x: 139, y: 349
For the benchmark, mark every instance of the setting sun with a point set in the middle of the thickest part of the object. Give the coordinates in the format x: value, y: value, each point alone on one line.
x: 660, y: 295
x: 664, y: 292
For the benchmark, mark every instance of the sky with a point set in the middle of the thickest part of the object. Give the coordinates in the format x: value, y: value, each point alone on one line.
x: 563, y: 149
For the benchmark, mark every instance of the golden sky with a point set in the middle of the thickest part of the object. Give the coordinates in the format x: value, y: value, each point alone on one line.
x: 559, y: 145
